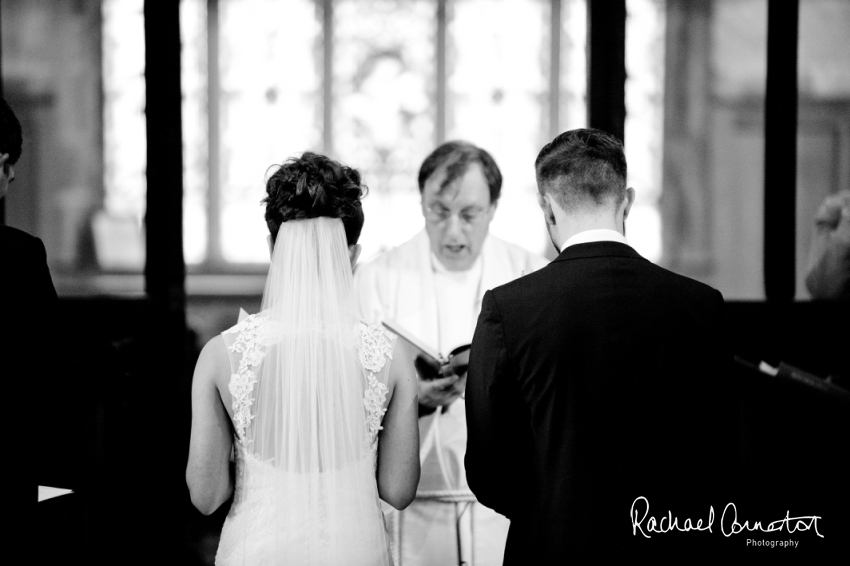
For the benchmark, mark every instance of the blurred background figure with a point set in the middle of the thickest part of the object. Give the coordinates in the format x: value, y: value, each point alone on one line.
x: 432, y: 286
x: 28, y: 303
x: 27, y: 286
x: 828, y: 275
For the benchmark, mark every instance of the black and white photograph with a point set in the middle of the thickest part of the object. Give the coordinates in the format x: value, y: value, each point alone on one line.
x: 426, y: 282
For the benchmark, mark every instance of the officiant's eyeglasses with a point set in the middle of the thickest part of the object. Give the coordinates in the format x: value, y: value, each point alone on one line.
x: 472, y: 215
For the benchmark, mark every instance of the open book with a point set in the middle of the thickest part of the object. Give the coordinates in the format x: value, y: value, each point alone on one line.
x: 429, y: 362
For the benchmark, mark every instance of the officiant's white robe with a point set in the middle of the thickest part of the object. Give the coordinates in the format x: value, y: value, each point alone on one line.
x: 400, y: 284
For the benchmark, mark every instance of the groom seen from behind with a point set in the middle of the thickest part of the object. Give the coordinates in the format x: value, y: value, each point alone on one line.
x: 597, y: 380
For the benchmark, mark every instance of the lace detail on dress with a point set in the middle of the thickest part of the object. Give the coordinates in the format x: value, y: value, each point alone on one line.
x: 375, y: 347
x: 255, y: 334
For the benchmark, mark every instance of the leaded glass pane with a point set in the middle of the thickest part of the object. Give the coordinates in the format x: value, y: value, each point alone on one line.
x: 823, y: 124
x: 714, y: 143
x: 573, y: 79
x: 269, y: 108
x: 383, y: 114
x: 497, y: 90
x: 193, y: 82
x: 645, y: 121
x: 118, y: 228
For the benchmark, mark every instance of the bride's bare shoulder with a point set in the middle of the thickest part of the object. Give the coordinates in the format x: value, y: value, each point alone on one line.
x: 214, y: 362
x: 215, y: 350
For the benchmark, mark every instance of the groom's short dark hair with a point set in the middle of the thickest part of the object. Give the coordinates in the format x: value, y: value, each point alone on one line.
x: 313, y: 186
x: 11, y: 139
x: 584, y: 166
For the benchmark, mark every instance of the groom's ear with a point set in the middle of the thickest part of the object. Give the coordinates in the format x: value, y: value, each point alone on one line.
x: 628, y: 201
x: 546, y: 207
x: 354, y: 253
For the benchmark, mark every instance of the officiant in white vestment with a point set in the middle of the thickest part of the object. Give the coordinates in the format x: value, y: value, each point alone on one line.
x: 432, y: 286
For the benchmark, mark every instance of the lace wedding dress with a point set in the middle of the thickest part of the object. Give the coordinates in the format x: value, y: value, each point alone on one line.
x: 248, y: 536
x: 309, y: 392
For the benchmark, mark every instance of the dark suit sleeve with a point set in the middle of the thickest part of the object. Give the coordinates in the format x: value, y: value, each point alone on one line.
x: 28, y: 295
x: 496, y: 445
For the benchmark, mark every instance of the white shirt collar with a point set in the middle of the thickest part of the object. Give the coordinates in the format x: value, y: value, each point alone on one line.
x: 597, y: 235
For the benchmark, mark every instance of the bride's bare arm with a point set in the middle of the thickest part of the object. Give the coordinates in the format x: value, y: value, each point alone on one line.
x: 208, y: 470
x: 398, y: 444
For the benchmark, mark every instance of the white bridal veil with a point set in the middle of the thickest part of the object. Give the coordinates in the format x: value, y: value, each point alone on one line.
x: 306, y: 488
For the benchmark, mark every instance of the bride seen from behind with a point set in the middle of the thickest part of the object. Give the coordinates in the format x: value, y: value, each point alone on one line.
x: 318, y: 408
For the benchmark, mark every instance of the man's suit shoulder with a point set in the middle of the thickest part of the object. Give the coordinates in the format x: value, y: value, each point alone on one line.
x: 686, y: 284
x: 25, y: 256
x: 545, y: 276
x: 521, y: 288
x: 19, y: 249
x: 12, y: 237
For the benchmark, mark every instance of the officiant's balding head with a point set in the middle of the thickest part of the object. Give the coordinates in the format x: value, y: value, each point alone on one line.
x: 460, y: 185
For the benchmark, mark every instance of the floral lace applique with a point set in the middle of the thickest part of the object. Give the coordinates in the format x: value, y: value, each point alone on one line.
x: 255, y: 334
x: 376, y: 346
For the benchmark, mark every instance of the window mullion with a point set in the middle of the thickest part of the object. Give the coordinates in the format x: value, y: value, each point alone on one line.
x: 441, y: 69
x: 555, y: 70
x: 215, y: 259
x: 327, y: 76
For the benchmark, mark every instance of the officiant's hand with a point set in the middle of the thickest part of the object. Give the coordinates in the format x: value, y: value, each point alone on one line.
x: 442, y: 390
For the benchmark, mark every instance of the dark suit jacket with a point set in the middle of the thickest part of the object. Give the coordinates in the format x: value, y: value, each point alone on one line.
x: 594, y: 381
x: 25, y: 285
x: 28, y: 345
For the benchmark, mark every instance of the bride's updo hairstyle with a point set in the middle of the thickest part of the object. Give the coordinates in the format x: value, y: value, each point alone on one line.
x: 312, y: 186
